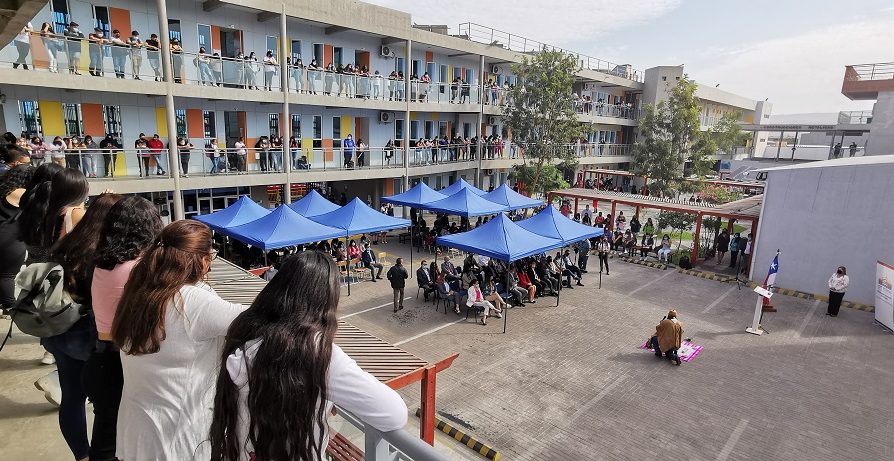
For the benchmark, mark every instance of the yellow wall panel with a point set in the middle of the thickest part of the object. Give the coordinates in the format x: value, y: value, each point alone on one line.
x: 347, y: 126
x: 161, y: 122
x: 435, y: 116
x: 51, y: 119
x: 307, y: 148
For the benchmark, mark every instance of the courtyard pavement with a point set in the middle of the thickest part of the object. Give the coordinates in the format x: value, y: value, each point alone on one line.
x: 569, y: 382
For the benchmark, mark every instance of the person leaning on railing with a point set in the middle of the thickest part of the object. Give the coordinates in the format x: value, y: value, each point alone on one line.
x: 136, y: 55
x: 52, y: 44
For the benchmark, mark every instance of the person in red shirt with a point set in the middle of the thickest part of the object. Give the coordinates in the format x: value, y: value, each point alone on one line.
x: 525, y: 283
x: 155, y: 147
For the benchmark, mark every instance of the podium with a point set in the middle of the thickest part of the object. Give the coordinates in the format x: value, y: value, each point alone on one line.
x: 764, y: 295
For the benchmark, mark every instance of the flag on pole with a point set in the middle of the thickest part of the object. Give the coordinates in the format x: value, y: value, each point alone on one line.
x: 771, y: 274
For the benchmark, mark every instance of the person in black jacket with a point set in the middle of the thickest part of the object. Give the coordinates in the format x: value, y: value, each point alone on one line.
x: 424, y: 280
x: 397, y: 275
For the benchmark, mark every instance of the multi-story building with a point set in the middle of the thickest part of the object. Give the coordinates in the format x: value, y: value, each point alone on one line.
x: 452, y: 83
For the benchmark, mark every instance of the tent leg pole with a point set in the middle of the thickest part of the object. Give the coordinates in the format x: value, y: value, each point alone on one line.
x: 506, y: 313
x: 412, y: 233
x: 347, y: 265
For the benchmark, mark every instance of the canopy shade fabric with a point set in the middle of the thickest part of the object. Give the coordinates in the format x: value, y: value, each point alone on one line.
x: 242, y: 211
x: 502, y: 239
x: 466, y: 203
x: 551, y: 223
x: 458, y: 185
x: 281, y: 228
x: 512, y: 199
x: 416, y: 196
x: 313, y: 204
x: 358, y: 218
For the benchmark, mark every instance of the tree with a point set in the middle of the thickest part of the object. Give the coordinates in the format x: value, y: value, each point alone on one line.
x: 541, y: 118
x: 677, y: 221
x: 671, y: 136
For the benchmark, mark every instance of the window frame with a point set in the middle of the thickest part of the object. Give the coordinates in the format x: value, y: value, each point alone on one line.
x: 27, y: 106
x: 273, y: 124
x: 111, y: 120
x: 72, y: 117
x: 180, y: 121
x: 207, y: 46
x: 209, y: 118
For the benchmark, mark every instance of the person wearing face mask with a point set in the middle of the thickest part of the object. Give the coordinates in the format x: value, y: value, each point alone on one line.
x: 120, y: 50
x: 73, y: 37
x: 838, y: 283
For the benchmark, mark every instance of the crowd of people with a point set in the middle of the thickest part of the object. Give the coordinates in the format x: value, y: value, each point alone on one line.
x: 167, y: 364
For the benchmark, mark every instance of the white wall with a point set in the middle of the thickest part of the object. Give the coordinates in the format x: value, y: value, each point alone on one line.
x: 881, y: 136
x: 823, y: 217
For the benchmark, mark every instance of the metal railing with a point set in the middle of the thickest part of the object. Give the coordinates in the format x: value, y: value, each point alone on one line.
x: 107, y: 163
x: 490, y: 36
x: 855, y: 117
x: 876, y: 71
x: 579, y: 150
x: 397, y: 445
x: 601, y: 109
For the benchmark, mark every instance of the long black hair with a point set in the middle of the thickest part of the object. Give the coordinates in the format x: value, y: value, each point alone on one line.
x: 132, y: 225
x: 294, y: 317
x: 42, y: 216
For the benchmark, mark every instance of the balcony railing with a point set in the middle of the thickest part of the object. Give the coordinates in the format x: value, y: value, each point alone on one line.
x: 397, y: 445
x: 856, y: 117
x: 876, y: 71
x: 491, y: 36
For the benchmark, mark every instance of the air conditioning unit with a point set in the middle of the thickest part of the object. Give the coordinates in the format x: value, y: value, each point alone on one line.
x: 386, y: 117
x: 386, y: 52
x: 491, y: 120
x: 488, y: 172
x: 496, y: 70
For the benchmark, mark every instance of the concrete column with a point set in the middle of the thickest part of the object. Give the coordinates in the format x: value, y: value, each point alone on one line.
x: 286, y: 121
x: 779, y: 144
x: 406, y: 139
x: 170, y: 118
x: 480, y: 121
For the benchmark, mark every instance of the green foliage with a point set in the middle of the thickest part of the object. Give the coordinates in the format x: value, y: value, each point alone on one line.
x: 671, y: 136
x: 540, y: 116
x: 677, y: 221
x: 550, y: 178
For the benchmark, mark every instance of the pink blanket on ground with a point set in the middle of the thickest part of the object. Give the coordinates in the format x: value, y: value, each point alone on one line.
x: 687, y: 352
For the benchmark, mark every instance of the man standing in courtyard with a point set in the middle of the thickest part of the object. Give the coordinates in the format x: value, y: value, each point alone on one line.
x: 397, y: 275
x: 668, y: 337
x: 721, y: 245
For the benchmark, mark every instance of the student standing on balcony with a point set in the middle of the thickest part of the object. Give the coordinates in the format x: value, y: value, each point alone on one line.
x: 119, y: 53
x: 177, y: 60
x: 298, y: 75
x: 184, y: 148
x: 292, y: 322
x: 22, y: 43
x: 241, y: 155
x: 96, y: 39
x: 136, y: 56
x: 271, y: 67
x: 73, y: 37
x: 88, y: 160
x: 348, y: 151
x: 153, y: 47
x: 276, y: 153
x: 53, y: 45
x: 155, y: 146
x: 203, y: 62
x: 361, y: 153
x: 217, y: 69
x: 328, y: 79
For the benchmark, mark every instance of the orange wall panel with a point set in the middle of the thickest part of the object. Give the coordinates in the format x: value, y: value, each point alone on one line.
x: 215, y: 38
x: 389, y: 186
x: 327, y: 150
x: 93, y: 123
x: 250, y: 147
x: 327, y: 54
x: 429, y: 57
x: 120, y: 19
x: 195, y: 124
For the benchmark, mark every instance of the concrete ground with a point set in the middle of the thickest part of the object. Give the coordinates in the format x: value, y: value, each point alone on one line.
x: 569, y: 382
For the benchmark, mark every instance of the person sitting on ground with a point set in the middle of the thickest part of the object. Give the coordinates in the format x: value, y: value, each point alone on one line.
x: 446, y: 292
x: 668, y: 337
x: 665, y: 251
x: 476, y: 301
x: 570, y: 267
x: 424, y: 280
x: 371, y: 262
x: 280, y: 374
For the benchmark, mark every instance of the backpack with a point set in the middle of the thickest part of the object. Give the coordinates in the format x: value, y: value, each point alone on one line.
x: 43, y: 307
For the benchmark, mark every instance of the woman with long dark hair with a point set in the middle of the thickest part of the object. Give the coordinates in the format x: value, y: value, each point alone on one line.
x: 71, y: 349
x: 12, y: 250
x: 169, y: 327
x: 280, y: 372
x: 52, y: 211
x: 131, y: 227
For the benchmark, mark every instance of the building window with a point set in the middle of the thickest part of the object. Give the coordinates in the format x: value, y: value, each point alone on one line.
x: 29, y: 116
x: 296, y: 50
x: 429, y: 129
x: 174, y: 30
x: 205, y: 37
x: 318, y: 131
x: 296, y: 126
x: 336, y: 132
x: 399, y: 129
x: 337, y: 53
x: 467, y: 130
x: 74, y: 123
x: 271, y: 46
x: 273, y: 124
x: 318, y: 54
x: 414, y: 129
x: 210, y: 125
x: 112, y: 120
x: 101, y: 17
x: 399, y: 64
x: 180, y: 116
x: 61, y: 16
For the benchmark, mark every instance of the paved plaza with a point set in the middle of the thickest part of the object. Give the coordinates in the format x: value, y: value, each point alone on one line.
x: 569, y: 382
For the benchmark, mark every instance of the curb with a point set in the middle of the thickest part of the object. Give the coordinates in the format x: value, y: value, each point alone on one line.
x: 778, y: 290
x: 643, y: 263
x: 465, y: 439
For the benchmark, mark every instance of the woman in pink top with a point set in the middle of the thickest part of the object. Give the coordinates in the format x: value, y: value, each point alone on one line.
x: 131, y: 227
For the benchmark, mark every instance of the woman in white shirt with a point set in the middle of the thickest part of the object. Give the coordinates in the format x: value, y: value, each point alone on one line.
x: 281, y: 372
x: 270, y: 69
x: 838, y: 283
x: 169, y: 327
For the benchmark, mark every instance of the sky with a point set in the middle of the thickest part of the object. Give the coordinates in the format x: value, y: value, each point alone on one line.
x: 790, y: 51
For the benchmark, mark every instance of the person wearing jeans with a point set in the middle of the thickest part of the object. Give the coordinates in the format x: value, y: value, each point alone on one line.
x: 22, y: 43
x: 397, y: 275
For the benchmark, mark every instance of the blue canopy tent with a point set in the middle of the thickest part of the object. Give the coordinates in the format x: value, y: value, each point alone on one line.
x: 358, y: 218
x: 313, y: 204
x: 502, y: 239
x: 281, y: 228
x: 242, y: 211
x: 418, y: 195
x: 512, y: 199
x: 458, y: 185
x: 551, y: 223
x: 465, y: 203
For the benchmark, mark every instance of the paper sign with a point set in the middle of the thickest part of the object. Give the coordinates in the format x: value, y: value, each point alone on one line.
x: 763, y: 292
